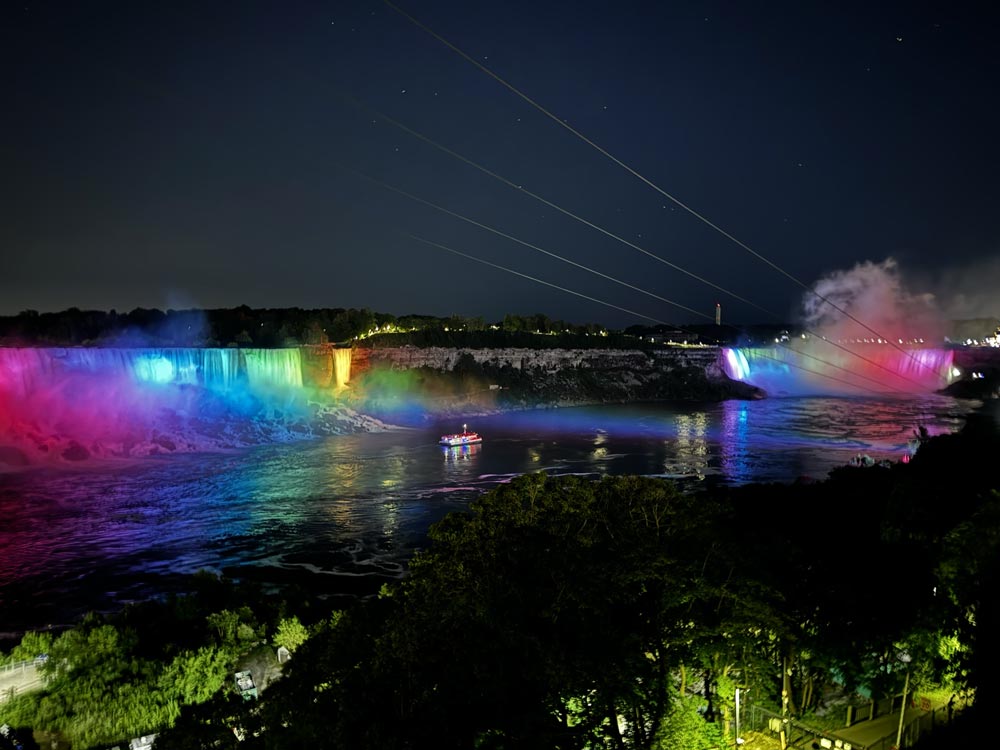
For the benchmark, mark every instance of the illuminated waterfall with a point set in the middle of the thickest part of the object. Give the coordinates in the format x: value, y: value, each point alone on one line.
x: 273, y: 368
x: 24, y: 371
x: 74, y: 403
x: 341, y: 367
x: 824, y: 369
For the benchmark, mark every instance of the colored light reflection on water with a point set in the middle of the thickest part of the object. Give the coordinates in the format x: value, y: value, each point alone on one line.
x: 345, y: 514
x: 456, y: 453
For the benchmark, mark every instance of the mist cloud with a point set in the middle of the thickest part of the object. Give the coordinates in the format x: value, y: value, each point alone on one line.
x: 968, y: 291
x: 873, y: 302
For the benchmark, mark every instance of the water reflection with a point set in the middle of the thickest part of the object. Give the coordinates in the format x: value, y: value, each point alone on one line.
x: 461, y: 462
x: 600, y: 456
x: 455, y: 453
x: 692, y: 450
x: 733, y: 440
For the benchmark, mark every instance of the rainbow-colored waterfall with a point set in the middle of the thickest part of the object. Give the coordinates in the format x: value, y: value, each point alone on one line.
x: 815, y: 369
x: 25, y: 371
x: 120, y: 401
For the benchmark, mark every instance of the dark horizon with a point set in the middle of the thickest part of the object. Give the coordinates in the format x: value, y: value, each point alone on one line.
x: 208, y: 156
x: 272, y: 327
x: 244, y: 326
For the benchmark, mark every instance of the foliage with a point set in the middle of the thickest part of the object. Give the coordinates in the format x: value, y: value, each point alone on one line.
x: 109, y: 679
x: 96, y: 692
x: 236, y: 630
x: 554, y: 612
x: 195, y: 676
x: 684, y: 728
x: 31, y: 645
x: 291, y: 634
x: 969, y: 574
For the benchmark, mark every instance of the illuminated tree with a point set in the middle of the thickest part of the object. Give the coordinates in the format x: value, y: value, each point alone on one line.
x: 291, y: 634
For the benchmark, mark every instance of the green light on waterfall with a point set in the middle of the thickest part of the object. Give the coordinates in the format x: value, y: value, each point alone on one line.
x: 154, y: 369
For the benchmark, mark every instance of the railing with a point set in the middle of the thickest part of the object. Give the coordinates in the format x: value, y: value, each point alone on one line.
x: 802, y: 736
x: 18, y: 666
x: 16, y: 669
x: 914, y: 728
x: 872, y: 710
x: 796, y: 734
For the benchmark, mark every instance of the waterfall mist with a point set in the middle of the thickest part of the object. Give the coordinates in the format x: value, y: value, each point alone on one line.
x: 866, y: 334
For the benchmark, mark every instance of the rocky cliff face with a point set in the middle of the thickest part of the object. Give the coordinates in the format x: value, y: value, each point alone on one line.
x: 482, y: 380
x: 541, y: 360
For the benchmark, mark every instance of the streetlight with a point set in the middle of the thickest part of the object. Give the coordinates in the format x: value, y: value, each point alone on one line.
x: 905, y: 658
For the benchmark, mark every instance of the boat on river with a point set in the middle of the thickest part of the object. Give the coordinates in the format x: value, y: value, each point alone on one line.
x: 461, y: 438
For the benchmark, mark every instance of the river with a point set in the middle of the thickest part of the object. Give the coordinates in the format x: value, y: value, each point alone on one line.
x: 342, y: 515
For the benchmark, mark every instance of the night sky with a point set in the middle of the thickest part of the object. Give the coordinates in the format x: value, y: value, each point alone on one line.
x: 210, y: 154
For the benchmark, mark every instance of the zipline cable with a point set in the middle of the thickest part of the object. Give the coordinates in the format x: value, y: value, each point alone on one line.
x: 512, y: 238
x: 567, y: 212
x: 642, y: 178
x: 647, y: 317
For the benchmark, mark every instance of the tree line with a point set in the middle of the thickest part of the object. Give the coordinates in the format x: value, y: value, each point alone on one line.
x: 270, y: 328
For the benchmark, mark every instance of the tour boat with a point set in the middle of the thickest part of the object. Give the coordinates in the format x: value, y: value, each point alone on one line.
x: 461, y: 438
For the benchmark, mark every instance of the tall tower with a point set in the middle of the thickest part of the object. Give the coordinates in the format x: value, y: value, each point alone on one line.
x: 718, y: 314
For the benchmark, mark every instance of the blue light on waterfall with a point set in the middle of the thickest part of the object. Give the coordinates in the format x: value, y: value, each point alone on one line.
x: 739, y: 367
x: 154, y: 369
